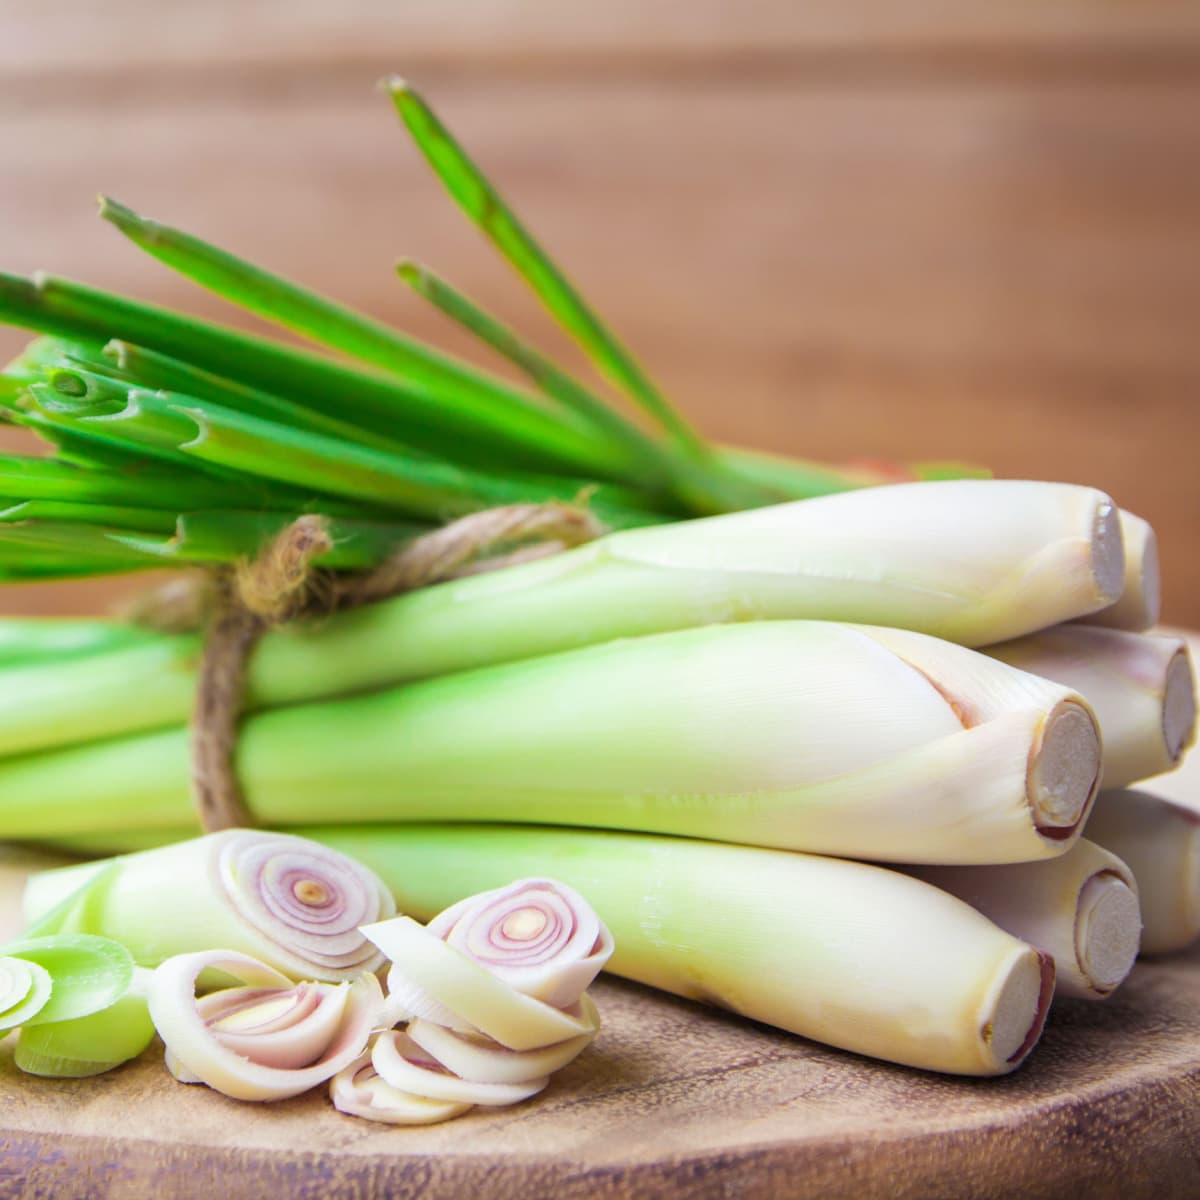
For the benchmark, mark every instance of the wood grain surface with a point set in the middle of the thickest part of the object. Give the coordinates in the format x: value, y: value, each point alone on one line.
x: 941, y: 230
x: 672, y: 1100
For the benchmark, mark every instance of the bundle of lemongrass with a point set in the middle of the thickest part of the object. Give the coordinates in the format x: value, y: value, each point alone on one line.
x: 679, y: 720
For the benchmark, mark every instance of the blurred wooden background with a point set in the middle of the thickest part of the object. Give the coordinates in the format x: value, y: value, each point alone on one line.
x: 941, y: 230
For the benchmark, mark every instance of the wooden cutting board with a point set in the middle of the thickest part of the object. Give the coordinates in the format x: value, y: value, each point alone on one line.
x: 672, y: 1100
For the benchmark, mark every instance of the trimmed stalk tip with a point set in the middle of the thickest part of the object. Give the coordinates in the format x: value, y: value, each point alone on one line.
x: 1108, y: 927
x: 1064, y: 770
x: 1179, y: 706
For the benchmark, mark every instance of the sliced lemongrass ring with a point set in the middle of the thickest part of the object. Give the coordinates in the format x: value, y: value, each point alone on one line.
x: 358, y: 1090
x: 25, y: 988
x: 404, y: 1065
x: 539, y: 935
x: 487, y: 1062
x: 469, y: 990
x: 284, y: 1061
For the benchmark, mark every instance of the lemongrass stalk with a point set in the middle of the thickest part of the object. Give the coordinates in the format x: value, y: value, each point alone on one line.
x: 1139, y: 604
x: 92, y: 1044
x: 849, y: 954
x: 1161, y: 843
x: 1080, y: 908
x: 975, y: 561
x: 478, y: 433
x: 1141, y: 687
x: 483, y: 205
x: 28, y: 640
x: 861, y: 741
x: 294, y: 905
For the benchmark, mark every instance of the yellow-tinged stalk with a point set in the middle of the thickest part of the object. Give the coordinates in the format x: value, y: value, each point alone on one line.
x: 853, y: 955
x: 1139, y: 604
x: 850, y: 740
x: 1160, y: 841
x: 1080, y: 908
x: 1141, y: 687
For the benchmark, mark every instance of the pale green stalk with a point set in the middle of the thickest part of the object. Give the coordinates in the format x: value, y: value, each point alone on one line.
x: 28, y: 640
x: 973, y: 561
x: 841, y: 952
x: 804, y: 735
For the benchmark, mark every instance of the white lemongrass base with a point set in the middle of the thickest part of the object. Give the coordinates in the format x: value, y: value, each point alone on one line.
x: 1081, y: 909
x: 1160, y: 841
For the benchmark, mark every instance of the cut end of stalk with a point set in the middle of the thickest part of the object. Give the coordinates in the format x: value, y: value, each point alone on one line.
x: 1015, y: 1021
x: 1064, y: 770
x: 1108, y: 930
x: 1179, y: 706
x: 1108, y: 552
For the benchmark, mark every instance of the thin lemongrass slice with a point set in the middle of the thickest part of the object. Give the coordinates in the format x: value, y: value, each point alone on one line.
x: 849, y: 954
x: 1080, y: 908
x: 245, y: 1069
x: 284, y: 900
x: 1160, y: 842
x: 1140, y: 602
x: 359, y: 1091
x: 976, y: 561
x: 480, y: 201
x: 406, y: 1067
x: 88, y: 1045
x: 1141, y: 687
x: 538, y: 935
x: 805, y: 735
x: 485, y: 1061
x: 87, y: 973
x: 479, y: 998
x: 24, y: 989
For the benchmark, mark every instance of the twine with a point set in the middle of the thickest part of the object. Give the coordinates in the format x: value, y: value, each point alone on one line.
x: 237, y: 605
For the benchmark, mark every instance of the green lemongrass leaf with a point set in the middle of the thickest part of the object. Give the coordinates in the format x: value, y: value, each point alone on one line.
x: 184, y: 379
x: 143, y: 486
x: 120, y: 428
x: 27, y: 640
x: 148, y: 520
x: 549, y: 378
x: 230, y: 536
x: 88, y: 1045
x: 55, y: 549
x: 89, y: 973
x: 479, y: 434
x: 698, y: 489
x: 481, y: 202
x: 441, y: 377
x: 237, y: 443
